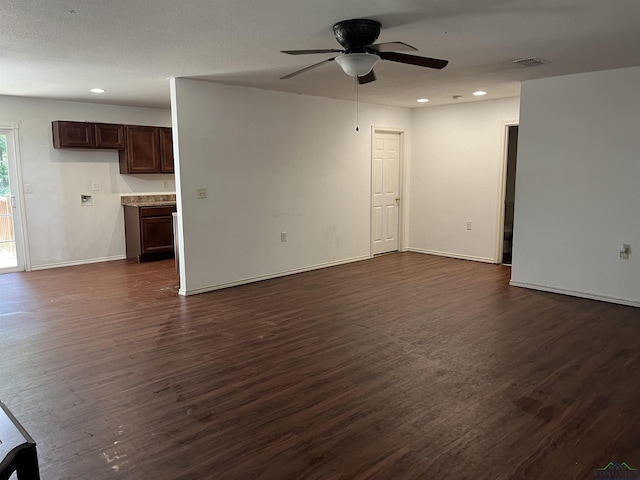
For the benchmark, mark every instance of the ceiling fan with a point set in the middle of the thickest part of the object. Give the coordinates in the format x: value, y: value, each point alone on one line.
x: 360, y: 54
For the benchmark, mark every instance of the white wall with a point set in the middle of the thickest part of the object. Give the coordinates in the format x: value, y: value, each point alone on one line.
x: 456, y: 176
x: 60, y: 231
x: 272, y: 162
x: 578, y: 185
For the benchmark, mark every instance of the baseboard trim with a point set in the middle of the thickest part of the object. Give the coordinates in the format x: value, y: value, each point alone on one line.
x: 451, y: 255
x: 576, y: 293
x: 284, y: 273
x: 47, y: 266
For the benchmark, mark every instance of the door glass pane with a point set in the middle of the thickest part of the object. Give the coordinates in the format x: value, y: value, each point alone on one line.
x: 8, y: 257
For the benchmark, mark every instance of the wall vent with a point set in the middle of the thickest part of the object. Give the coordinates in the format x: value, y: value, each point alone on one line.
x: 530, y: 62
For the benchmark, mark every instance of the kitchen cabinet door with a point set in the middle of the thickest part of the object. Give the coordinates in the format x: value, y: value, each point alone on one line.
x: 166, y: 150
x: 109, y: 135
x: 73, y: 134
x: 142, y: 150
x: 157, y: 234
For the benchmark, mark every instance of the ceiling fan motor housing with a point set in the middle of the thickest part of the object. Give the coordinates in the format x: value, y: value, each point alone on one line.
x: 355, y: 34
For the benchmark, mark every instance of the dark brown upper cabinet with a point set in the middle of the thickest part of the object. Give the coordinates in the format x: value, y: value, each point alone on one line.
x: 147, y: 150
x: 73, y: 135
x: 142, y: 150
x: 109, y: 135
x: 166, y: 150
x: 87, y: 135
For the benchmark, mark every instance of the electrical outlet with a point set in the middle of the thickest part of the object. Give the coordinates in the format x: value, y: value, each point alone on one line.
x: 27, y: 188
x: 95, y: 186
x: 165, y: 184
x: 283, y: 236
x: 468, y: 224
x: 202, y: 193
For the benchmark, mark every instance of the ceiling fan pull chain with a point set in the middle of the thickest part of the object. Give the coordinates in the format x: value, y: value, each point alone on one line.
x: 357, y: 102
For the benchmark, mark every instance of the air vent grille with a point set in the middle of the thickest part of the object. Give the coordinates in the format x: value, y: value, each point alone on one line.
x: 530, y: 62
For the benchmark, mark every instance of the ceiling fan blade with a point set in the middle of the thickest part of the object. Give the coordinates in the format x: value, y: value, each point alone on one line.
x: 310, y: 52
x: 414, y: 60
x: 298, y: 72
x: 368, y: 78
x: 393, y: 47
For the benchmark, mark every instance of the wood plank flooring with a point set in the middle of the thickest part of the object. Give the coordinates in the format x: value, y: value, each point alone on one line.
x: 406, y: 366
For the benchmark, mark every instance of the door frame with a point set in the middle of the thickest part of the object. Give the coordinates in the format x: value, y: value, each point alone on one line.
x: 502, y: 189
x: 403, y: 189
x: 20, y: 234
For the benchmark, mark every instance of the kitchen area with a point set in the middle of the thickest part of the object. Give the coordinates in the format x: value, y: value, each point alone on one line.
x: 127, y: 164
x: 149, y: 219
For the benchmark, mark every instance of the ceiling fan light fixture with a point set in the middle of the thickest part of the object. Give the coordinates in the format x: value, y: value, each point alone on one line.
x: 357, y: 64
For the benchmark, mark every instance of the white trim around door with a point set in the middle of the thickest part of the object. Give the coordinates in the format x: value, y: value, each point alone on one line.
x: 17, y: 199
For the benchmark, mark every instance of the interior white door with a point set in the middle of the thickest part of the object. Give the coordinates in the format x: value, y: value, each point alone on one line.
x: 386, y: 192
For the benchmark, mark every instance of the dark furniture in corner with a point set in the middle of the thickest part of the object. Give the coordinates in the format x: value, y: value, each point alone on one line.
x: 17, y: 449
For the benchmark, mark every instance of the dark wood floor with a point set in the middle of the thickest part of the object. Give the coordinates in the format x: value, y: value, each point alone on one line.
x: 406, y: 366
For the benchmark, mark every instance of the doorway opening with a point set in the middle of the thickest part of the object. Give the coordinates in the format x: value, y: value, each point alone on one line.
x: 509, y: 194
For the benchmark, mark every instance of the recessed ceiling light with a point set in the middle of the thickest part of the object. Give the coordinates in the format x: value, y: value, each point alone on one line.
x: 422, y: 100
x: 97, y: 90
x: 479, y: 93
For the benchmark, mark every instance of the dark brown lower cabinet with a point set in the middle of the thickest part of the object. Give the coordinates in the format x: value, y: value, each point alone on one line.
x: 149, y: 232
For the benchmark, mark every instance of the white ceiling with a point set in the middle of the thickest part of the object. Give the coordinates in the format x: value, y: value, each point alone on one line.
x: 62, y: 48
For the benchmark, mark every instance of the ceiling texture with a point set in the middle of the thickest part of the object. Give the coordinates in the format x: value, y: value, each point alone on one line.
x: 62, y: 48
